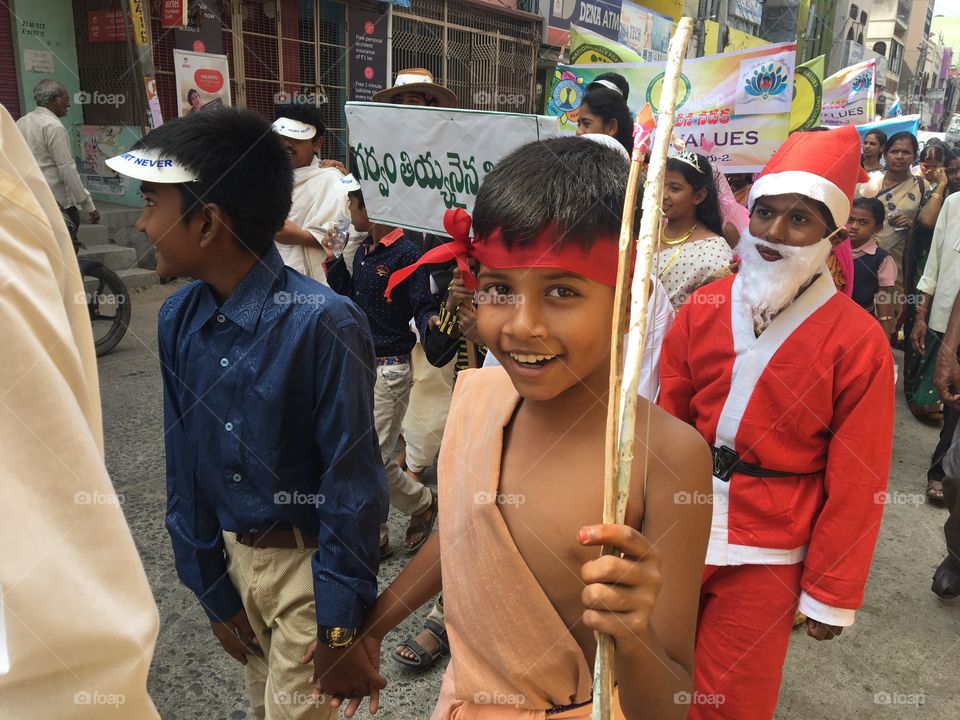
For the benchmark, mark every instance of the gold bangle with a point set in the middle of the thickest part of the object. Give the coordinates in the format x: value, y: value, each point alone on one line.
x: 885, y: 317
x: 938, y: 196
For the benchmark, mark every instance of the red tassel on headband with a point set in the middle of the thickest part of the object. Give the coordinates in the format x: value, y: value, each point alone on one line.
x: 457, y: 224
x: 598, y: 263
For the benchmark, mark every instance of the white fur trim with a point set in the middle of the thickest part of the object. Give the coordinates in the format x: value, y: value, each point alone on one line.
x: 805, y: 183
x: 294, y: 129
x: 753, y: 354
x: 149, y: 166
x: 821, y: 612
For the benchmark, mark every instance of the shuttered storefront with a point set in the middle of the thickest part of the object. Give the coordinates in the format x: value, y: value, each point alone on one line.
x: 9, y: 88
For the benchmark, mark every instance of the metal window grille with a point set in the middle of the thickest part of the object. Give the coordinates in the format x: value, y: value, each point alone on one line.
x: 487, y: 58
x: 275, y: 49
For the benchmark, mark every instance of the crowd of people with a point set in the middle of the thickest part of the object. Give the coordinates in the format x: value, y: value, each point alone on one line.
x: 321, y: 363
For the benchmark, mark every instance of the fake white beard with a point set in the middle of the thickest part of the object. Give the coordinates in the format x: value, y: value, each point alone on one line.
x: 768, y: 287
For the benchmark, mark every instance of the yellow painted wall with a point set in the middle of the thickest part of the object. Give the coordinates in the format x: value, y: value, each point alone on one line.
x: 736, y: 39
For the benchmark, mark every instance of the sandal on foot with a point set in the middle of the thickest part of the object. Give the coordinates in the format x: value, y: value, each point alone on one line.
x: 386, y: 551
x: 425, y: 658
x: 935, y: 491
x: 799, y: 619
x: 428, y: 518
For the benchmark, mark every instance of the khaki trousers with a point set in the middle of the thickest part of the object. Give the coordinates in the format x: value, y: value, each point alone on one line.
x: 276, y: 587
x: 391, y: 394
x: 427, y: 413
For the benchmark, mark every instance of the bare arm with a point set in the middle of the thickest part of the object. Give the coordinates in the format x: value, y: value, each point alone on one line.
x: 293, y: 234
x: 946, y: 377
x: 648, y: 599
x: 419, y: 581
x: 928, y: 215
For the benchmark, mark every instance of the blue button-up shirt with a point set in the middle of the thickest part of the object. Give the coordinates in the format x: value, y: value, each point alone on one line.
x: 389, y: 321
x: 268, y: 419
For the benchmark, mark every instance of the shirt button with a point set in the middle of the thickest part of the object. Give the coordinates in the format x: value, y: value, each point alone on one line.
x: 228, y: 427
x: 224, y: 362
x: 221, y: 318
x: 236, y: 477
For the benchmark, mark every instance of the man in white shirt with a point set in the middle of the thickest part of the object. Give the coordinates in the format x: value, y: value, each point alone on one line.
x: 77, y: 621
x: 47, y: 139
x: 936, y: 291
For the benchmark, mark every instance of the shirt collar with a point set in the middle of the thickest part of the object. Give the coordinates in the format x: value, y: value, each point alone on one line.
x: 386, y: 241
x: 391, y: 237
x: 47, y: 111
x: 868, y: 248
x: 245, y: 304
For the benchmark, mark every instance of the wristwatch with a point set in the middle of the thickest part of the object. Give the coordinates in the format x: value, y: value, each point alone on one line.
x: 337, y: 637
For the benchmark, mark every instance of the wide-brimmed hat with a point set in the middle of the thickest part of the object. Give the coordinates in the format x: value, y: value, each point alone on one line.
x: 418, y: 80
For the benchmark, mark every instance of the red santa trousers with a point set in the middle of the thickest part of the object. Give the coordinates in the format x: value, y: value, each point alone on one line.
x: 746, y: 614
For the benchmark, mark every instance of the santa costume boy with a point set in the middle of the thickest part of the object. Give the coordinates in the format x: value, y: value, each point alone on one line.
x: 792, y: 385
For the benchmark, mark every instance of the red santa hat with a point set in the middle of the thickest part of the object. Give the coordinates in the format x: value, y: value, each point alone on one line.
x: 823, y: 165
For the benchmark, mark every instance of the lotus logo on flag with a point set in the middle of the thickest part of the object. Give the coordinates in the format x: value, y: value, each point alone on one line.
x: 765, y: 87
x: 767, y: 80
x: 862, y: 81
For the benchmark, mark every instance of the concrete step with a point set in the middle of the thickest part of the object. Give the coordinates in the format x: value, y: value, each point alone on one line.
x: 115, y: 257
x: 91, y: 235
x: 138, y: 278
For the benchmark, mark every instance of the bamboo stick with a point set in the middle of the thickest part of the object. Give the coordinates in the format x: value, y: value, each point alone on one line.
x: 625, y: 366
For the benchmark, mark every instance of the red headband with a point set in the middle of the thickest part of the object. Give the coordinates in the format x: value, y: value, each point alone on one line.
x: 599, y: 263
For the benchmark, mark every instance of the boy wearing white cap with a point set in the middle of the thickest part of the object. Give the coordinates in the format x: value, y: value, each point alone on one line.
x: 316, y: 203
x: 275, y: 489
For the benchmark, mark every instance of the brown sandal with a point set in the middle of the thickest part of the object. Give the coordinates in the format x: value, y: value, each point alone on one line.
x: 935, y: 491
x: 428, y: 518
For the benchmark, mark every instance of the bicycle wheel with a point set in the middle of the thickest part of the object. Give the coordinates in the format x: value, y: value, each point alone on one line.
x: 109, y: 304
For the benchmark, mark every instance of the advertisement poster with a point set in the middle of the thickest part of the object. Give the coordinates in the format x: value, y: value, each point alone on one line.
x: 153, y: 101
x: 105, y: 26
x: 849, y: 96
x: 368, y: 52
x: 202, y: 33
x: 414, y: 163
x: 203, y: 81
x: 97, y: 143
x: 733, y: 107
x: 173, y: 13
x: 589, y: 48
x: 600, y: 16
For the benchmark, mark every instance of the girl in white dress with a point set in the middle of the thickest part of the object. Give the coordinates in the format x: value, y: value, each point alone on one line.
x: 691, y: 251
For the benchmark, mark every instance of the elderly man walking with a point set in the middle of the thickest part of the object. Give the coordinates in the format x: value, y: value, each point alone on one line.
x: 48, y: 142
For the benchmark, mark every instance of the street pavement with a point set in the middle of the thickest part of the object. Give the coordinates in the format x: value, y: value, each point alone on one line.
x: 898, y: 660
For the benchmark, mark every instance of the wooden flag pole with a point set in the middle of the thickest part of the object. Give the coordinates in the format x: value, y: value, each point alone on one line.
x: 625, y: 367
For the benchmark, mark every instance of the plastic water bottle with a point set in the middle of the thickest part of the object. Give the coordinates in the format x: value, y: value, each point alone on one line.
x: 340, y: 234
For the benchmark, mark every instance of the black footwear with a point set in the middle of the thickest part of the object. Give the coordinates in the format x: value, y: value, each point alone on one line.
x: 946, y: 579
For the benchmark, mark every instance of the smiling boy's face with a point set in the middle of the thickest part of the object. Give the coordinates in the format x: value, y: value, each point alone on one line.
x: 176, y: 243
x: 549, y: 328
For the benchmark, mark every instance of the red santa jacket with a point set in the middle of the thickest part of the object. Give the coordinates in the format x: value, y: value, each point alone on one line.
x: 814, y: 395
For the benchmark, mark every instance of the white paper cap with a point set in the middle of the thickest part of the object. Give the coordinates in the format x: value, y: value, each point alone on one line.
x: 348, y: 183
x: 147, y: 165
x: 294, y: 129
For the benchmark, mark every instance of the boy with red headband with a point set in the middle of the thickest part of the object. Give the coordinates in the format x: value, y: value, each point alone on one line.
x: 521, y: 471
x: 792, y: 384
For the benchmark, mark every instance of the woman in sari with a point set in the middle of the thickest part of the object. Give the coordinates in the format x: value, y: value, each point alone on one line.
x: 922, y: 397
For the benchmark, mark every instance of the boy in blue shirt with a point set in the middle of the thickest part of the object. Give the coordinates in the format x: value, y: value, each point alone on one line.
x: 275, y: 489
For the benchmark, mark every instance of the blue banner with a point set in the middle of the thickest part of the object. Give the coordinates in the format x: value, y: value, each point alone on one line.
x: 908, y: 123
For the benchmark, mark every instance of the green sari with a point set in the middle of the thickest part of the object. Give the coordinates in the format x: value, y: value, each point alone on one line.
x: 922, y: 396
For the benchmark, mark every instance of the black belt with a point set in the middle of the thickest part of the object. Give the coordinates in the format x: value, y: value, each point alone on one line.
x: 727, y: 461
